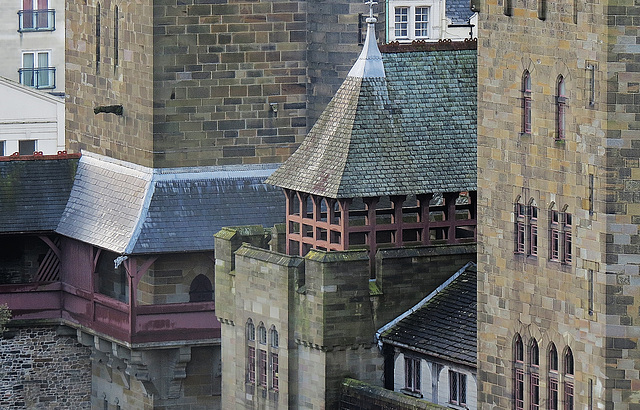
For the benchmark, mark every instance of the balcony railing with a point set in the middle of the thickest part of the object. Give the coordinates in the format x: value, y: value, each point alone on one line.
x: 108, y: 316
x: 36, y: 20
x: 38, y: 77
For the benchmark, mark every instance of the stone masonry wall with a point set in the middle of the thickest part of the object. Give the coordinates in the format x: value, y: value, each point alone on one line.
x: 325, y: 309
x: 93, y: 81
x: 622, y: 173
x: 526, y: 294
x: 187, y: 377
x: 40, y: 369
x: 333, y: 47
x: 203, y: 83
x: 229, y: 81
x: 356, y: 395
x: 169, y: 278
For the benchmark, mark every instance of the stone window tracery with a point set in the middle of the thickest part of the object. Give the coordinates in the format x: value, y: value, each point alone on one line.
x: 568, y: 379
x: 552, y: 380
x: 518, y: 373
x: 534, y: 375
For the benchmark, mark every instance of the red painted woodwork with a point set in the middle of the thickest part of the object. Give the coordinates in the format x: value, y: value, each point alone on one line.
x: 330, y: 224
x: 73, y: 300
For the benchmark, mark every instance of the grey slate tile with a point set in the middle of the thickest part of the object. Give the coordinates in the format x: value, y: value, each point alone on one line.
x: 130, y: 209
x: 413, y: 131
x: 33, y: 193
x: 445, y: 325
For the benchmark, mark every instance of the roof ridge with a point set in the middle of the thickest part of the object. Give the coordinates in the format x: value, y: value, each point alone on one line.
x: 424, y: 301
x: 39, y: 156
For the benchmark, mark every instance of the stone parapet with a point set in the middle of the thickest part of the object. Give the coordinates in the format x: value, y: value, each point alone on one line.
x: 323, y: 307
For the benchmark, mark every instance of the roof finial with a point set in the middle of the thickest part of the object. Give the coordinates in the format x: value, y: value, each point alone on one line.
x: 371, y: 3
x: 369, y: 64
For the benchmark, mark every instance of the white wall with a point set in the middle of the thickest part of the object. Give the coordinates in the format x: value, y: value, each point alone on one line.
x: 437, y: 21
x: 461, y: 33
x: 436, y: 390
x: 29, y: 114
x: 13, y: 43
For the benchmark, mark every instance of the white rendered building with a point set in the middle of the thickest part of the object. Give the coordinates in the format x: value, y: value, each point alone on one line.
x: 30, y: 120
x: 32, y: 43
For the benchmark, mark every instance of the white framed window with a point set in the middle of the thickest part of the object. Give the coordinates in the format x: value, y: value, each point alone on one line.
x: 36, y: 71
x: 402, y: 22
x: 411, y: 22
x: 2, y: 148
x: 421, y: 24
x: 35, y: 15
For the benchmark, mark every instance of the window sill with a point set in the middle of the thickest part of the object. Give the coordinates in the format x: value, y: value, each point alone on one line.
x: 525, y: 134
x: 36, y: 30
x: 411, y: 393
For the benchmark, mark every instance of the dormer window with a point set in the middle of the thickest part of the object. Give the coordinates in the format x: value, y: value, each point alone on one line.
x: 412, y: 20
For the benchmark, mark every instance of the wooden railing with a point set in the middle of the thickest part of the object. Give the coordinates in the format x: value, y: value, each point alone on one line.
x: 110, y: 317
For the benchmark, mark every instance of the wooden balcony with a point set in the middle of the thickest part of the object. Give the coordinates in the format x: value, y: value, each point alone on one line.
x: 130, y: 325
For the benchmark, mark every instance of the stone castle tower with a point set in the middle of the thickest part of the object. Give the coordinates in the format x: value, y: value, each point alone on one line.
x: 202, y: 83
x: 558, y: 214
x: 372, y: 225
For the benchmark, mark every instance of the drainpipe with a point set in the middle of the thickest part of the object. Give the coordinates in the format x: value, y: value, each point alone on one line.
x: 443, y: 19
x: 386, y: 23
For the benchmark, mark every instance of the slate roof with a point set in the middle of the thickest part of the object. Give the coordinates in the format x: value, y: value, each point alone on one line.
x: 34, y: 191
x: 459, y: 11
x: 443, y: 324
x: 130, y: 209
x: 188, y: 208
x: 409, y: 130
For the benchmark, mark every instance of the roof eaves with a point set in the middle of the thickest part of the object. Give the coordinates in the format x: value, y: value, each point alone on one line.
x: 423, y: 301
x: 427, y: 352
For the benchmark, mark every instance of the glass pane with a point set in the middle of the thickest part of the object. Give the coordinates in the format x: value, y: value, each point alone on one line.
x: 27, y: 60
x: 43, y: 16
x: 422, y: 21
x: 27, y: 15
x: 43, y: 60
x: 26, y: 147
x: 26, y: 77
x: 401, y: 20
x: 44, y: 76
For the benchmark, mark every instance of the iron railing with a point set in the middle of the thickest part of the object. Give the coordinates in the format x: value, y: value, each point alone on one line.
x: 38, y: 77
x: 36, y: 20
